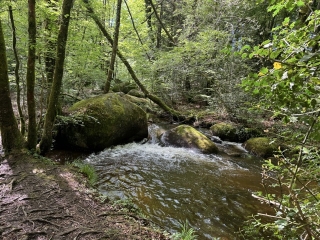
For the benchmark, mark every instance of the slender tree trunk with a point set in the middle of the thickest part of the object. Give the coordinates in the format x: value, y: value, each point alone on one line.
x: 134, y: 27
x: 46, y: 139
x: 32, y: 126
x: 51, y: 45
x: 16, y: 72
x: 132, y: 22
x: 152, y: 97
x: 114, y: 48
x: 161, y: 23
x: 148, y: 11
x: 10, y: 134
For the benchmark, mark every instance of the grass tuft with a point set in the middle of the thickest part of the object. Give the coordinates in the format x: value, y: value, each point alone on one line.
x: 187, y: 232
x: 87, y: 170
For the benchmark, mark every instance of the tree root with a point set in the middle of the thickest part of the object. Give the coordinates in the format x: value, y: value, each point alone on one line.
x: 68, y: 231
x: 43, y: 220
x: 144, y: 220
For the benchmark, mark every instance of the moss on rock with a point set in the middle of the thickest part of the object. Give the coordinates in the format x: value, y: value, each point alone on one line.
x: 261, y: 147
x: 136, y: 93
x: 144, y: 103
x: 124, y: 87
x: 188, y: 137
x: 225, y: 131
x: 103, y: 121
x: 234, y: 133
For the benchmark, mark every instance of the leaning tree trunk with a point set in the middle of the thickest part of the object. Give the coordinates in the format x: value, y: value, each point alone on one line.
x: 46, y: 139
x: 114, y: 48
x: 10, y: 134
x: 135, y: 29
x: 161, y: 23
x: 32, y: 126
x: 152, y: 97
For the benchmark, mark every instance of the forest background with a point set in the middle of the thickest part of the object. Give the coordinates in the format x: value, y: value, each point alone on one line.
x: 248, y: 60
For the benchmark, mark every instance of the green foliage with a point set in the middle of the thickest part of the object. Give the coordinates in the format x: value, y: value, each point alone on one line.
x: 288, y: 85
x: 43, y: 159
x: 127, y: 205
x: 288, y: 81
x: 202, y: 67
x: 186, y: 233
x: 294, y: 195
x: 87, y: 170
x: 76, y: 120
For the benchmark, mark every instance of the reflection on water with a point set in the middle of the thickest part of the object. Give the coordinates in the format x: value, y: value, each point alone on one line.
x: 171, y: 185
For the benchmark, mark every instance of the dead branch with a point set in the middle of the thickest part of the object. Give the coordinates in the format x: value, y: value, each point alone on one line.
x: 270, y: 202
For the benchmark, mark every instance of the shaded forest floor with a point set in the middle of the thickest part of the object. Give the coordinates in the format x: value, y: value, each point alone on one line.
x: 41, y: 200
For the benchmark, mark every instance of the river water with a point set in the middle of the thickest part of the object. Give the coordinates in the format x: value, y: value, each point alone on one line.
x: 171, y: 185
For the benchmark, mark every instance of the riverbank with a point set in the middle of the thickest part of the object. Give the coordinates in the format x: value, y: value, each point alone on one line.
x: 43, y: 200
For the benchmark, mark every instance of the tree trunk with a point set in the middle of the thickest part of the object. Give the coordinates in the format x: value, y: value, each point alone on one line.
x: 135, y: 29
x: 159, y: 28
x: 32, y: 126
x: 152, y: 97
x: 16, y: 72
x: 161, y: 23
x: 11, y: 136
x: 149, y: 22
x: 46, y: 139
x: 114, y: 48
x: 50, y: 47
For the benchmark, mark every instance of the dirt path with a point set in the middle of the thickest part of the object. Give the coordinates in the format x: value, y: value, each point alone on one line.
x: 39, y: 201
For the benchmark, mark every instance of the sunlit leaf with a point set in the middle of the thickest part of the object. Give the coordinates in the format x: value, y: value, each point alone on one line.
x: 277, y: 65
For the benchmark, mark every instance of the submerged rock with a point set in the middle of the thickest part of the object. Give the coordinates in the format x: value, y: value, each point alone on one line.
x: 216, y: 139
x: 103, y: 121
x: 234, y: 150
x: 188, y: 137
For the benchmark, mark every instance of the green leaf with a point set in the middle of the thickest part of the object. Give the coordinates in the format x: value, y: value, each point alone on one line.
x: 256, y: 91
x: 244, y: 55
x: 286, y: 21
x: 300, y: 3
x: 264, y: 70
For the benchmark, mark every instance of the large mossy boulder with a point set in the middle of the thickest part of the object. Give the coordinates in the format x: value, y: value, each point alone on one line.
x: 188, y: 137
x: 103, y: 121
x: 261, y: 147
x: 144, y: 103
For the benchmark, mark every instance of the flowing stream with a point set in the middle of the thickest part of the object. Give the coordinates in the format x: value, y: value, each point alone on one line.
x: 171, y: 185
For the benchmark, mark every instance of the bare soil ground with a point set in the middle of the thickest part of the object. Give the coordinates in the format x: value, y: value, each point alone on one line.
x: 42, y: 201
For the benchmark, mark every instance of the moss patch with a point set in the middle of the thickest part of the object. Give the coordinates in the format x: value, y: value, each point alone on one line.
x: 103, y: 121
x: 261, y: 147
x: 186, y: 136
x: 225, y: 131
x: 234, y: 133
